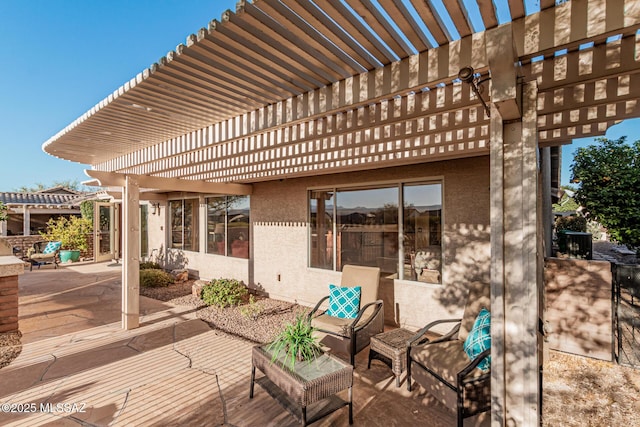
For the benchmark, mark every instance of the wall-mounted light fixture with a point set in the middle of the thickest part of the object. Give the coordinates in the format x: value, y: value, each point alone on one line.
x: 155, y: 208
x: 468, y: 75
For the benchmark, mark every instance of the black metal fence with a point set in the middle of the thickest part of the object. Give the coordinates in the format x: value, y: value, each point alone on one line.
x: 626, y: 282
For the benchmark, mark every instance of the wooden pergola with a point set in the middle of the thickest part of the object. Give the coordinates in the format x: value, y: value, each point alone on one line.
x: 285, y: 88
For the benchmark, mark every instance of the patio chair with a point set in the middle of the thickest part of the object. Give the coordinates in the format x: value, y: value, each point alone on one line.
x: 43, y: 253
x: 352, y: 335
x: 443, y: 367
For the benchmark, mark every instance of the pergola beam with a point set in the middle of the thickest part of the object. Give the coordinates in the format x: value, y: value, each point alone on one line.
x: 114, y: 179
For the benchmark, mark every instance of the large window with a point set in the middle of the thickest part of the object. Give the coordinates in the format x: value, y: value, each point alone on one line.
x: 366, y: 226
x: 184, y: 224
x: 228, y: 226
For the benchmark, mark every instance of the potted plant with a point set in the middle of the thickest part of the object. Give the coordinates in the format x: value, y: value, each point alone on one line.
x: 72, y: 234
x: 296, y: 343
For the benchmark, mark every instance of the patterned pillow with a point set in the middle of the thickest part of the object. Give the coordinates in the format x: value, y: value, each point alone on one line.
x: 344, y: 302
x: 479, y: 339
x: 51, y: 247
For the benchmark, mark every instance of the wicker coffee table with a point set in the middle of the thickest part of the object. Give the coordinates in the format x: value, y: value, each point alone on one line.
x: 391, y: 348
x: 309, y: 391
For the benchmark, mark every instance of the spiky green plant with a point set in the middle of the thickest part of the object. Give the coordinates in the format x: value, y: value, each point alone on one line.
x: 296, y: 342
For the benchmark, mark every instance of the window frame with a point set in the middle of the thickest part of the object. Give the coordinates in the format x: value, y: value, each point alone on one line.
x: 228, y: 248
x: 195, y: 225
x: 399, y: 185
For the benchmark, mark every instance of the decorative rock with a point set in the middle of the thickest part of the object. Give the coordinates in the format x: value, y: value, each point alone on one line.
x: 180, y: 275
x: 196, y: 288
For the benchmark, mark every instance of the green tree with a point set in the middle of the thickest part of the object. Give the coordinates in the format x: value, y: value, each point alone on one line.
x: 566, y: 203
x: 70, y: 184
x: 609, y: 178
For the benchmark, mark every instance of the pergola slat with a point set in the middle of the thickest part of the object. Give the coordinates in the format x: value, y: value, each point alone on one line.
x: 283, y: 31
x: 271, y: 42
x: 303, y: 30
x: 381, y: 26
x: 488, y: 13
x: 432, y: 21
x: 458, y: 15
x: 336, y: 34
x: 216, y: 41
x: 344, y: 18
x: 261, y: 50
x: 408, y: 25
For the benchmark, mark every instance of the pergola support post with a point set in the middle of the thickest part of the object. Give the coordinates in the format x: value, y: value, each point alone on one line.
x: 515, y: 382
x: 131, y: 254
x: 26, y: 221
x: 547, y: 206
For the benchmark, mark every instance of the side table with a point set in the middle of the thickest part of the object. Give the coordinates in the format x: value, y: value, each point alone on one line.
x: 391, y: 348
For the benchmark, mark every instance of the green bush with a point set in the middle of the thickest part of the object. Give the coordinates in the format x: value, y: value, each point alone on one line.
x: 150, y: 265
x: 297, y: 341
x: 571, y: 223
x: 155, y: 278
x: 71, y: 232
x: 251, y: 310
x: 224, y: 292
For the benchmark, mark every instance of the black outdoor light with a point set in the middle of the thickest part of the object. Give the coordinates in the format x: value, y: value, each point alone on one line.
x: 467, y: 75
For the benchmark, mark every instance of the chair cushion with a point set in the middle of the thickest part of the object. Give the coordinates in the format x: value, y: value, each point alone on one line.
x: 344, y: 303
x: 42, y: 257
x: 479, y: 339
x: 445, y: 359
x: 334, y: 325
x: 51, y: 247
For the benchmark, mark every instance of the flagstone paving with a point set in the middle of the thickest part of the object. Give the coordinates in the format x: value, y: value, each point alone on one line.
x: 78, y: 367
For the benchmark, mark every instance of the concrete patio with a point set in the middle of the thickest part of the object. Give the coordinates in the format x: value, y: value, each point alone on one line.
x: 173, y: 370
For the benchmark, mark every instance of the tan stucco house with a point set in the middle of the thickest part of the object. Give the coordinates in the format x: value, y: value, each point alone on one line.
x: 290, y: 138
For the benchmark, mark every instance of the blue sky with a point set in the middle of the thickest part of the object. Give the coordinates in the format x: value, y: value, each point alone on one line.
x: 60, y: 58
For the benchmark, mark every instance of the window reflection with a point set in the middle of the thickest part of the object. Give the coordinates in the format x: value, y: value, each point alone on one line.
x: 362, y: 227
x: 228, y: 219
x: 422, y: 232
x: 184, y: 224
x: 321, y: 229
x: 367, y: 228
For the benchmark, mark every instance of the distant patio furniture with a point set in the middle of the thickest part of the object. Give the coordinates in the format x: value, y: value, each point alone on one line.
x: 308, y: 391
x: 352, y: 335
x: 443, y: 367
x: 43, y: 253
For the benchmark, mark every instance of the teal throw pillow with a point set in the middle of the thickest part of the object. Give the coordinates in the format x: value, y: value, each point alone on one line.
x: 51, y: 247
x: 479, y: 339
x: 344, y: 302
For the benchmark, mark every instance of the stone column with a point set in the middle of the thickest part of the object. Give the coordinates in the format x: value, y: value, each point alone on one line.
x: 10, y: 268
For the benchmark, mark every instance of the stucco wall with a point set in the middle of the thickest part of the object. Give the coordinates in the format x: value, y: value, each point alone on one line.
x: 578, y: 307
x: 280, y: 240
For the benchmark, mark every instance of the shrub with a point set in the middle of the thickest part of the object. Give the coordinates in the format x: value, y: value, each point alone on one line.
x: 71, y: 232
x: 571, y: 223
x: 153, y: 278
x: 150, y: 265
x: 252, y: 310
x: 224, y: 292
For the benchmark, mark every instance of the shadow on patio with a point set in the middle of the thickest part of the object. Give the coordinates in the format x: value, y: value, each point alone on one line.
x: 79, y: 367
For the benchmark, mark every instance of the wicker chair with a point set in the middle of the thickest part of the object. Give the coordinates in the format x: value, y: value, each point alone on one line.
x: 350, y: 336
x: 443, y: 368
x: 41, y: 254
